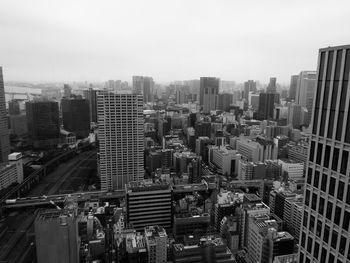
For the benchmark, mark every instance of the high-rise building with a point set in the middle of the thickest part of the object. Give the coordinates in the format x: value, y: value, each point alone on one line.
x: 90, y: 95
x: 43, y: 123
x: 295, y: 115
x: 249, y: 86
x: 209, y: 89
x: 67, y: 91
x: 143, y: 85
x: 76, y: 116
x: 266, y: 105
x: 56, y: 237
x: 120, y: 121
x: 156, y: 241
x: 293, y: 86
x: 271, y: 88
x: 224, y: 101
x: 4, y: 131
x: 326, y: 219
x: 305, y: 91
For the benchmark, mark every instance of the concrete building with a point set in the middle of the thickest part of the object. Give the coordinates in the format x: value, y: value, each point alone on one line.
x: 266, y: 105
x: 295, y: 116
x: 56, y: 237
x: 156, y: 242
x: 91, y: 96
x: 208, y: 85
x: 226, y: 160
x: 12, y: 172
x: 148, y: 204
x: 224, y: 101
x: 271, y: 88
x: 76, y: 116
x: 293, y: 169
x: 254, y: 151
x: 145, y: 86
x: 293, y: 86
x: 191, y: 224
x: 326, y: 218
x: 43, y: 123
x: 4, y: 131
x: 249, y: 86
x: 120, y: 121
x: 305, y: 91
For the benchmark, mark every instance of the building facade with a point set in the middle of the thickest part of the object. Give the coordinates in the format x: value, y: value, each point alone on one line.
x: 326, y: 219
x: 4, y: 131
x: 120, y: 121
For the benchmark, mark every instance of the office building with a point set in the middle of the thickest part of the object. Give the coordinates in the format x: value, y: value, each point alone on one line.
x: 91, y: 96
x: 305, y: 91
x: 156, y: 242
x: 226, y: 160
x: 12, y: 172
x: 191, y: 224
x: 271, y: 88
x: 56, y: 237
x: 76, y: 116
x: 148, y: 204
x: 4, y: 132
x: 255, y: 151
x: 14, y: 107
x: 67, y: 91
x: 326, y: 219
x: 293, y: 86
x: 121, y: 136
x: 209, y: 88
x: 43, y: 123
x: 266, y: 105
x: 224, y: 101
x: 249, y: 86
x: 145, y: 86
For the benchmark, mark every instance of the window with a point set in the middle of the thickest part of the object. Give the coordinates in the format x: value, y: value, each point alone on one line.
x: 331, y: 123
x: 309, y: 176
x: 321, y: 206
x: 346, y: 219
x: 326, y: 234
x: 337, y: 215
x: 314, y: 201
x: 319, y: 153
x: 340, y: 194
x: 322, y: 61
x: 329, y: 65
x: 324, y: 183
x: 323, y: 255
x: 307, y: 197
x: 323, y: 121
x: 314, y: 126
x: 334, y: 239
x: 305, y: 219
x: 339, y: 126
x: 329, y: 210
x: 331, y: 187
x: 316, y: 249
x: 312, y: 150
x: 348, y: 195
x: 338, y: 65
x: 316, y: 178
x: 303, y: 239
x: 335, y: 159
x: 327, y: 154
x: 312, y: 223
x: 309, y: 244
x: 342, y: 245
x: 319, y: 228
x: 344, y: 162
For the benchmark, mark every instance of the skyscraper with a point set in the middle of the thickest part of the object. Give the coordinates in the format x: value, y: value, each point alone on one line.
x: 271, y: 88
x: 266, y: 105
x: 305, y: 91
x: 4, y: 131
x: 249, y: 85
x: 76, y: 116
x: 43, y: 123
x: 120, y: 121
x: 326, y: 219
x: 208, y: 85
x: 90, y: 95
x: 143, y: 85
x: 293, y: 86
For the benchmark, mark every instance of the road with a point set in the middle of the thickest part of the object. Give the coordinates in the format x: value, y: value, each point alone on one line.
x: 16, y: 231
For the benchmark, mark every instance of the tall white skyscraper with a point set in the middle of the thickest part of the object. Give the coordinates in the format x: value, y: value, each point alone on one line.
x: 120, y: 121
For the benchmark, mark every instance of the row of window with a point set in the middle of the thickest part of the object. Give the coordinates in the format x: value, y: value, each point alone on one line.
x: 327, y: 163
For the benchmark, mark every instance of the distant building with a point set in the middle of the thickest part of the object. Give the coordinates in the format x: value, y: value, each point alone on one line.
x: 67, y: 91
x: 293, y: 86
x: 120, y: 121
x: 271, y: 88
x: 56, y: 237
x: 91, y: 96
x: 76, y: 116
x: 14, y: 107
x: 18, y: 124
x: 4, y: 131
x: 209, y: 89
x: 145, y: 86
x: 224, y: 101
x: 43, y: 123
x: 266, y: 105
x: 249, y: 86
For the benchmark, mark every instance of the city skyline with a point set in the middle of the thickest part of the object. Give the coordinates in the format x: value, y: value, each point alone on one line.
x: 231, y: 41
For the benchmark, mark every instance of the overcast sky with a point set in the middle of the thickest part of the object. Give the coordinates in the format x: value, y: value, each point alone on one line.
x: 46, y: 40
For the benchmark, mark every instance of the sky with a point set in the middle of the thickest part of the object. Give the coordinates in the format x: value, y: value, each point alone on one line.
x: 73, y: 40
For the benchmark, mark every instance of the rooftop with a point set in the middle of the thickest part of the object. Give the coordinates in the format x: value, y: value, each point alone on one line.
x: 146, y: 185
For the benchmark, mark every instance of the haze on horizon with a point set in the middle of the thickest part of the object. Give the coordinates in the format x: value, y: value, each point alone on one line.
x: 168, y: 40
